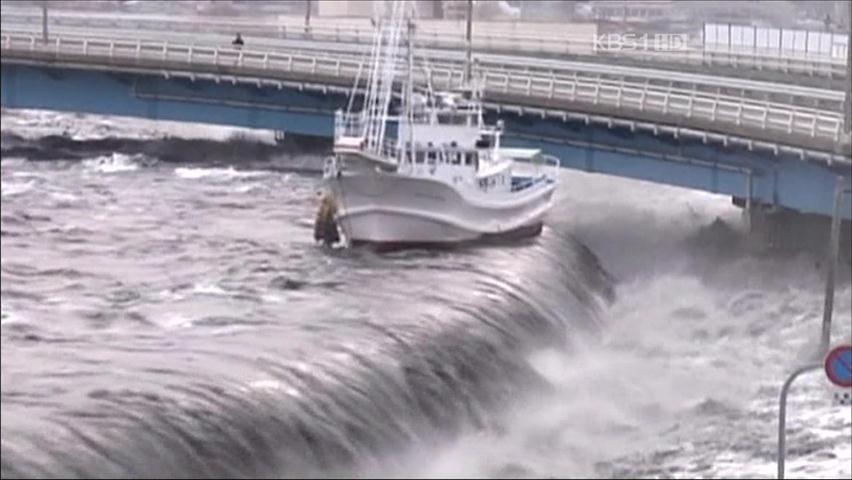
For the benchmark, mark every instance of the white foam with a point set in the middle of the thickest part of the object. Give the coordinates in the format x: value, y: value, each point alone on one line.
x: 191, y: 173
x: 64, y: 197
x: 209, y: 289
x: 676, y: 340
x: 117, y: 162
x: 176, y: 321
x: 253, y: 187
x: 8, y: 189
x: 12, y: 162
x: 273, y: 385
x: 11, y: 318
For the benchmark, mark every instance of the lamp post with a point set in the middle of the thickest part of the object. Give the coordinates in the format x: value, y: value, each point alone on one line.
x: 469, y: 39
x: 308, y: 17
x: 44, y: 21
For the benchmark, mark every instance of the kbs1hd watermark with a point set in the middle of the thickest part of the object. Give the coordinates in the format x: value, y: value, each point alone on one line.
x: 660, y: 42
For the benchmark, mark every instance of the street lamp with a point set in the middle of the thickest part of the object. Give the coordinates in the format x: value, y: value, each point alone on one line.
x: 308, y: 17
x: 44, y: 21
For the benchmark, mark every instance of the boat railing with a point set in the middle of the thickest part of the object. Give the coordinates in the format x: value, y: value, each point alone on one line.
x: 349, y: 124
x: 541, y: 168
x: 390, y: 150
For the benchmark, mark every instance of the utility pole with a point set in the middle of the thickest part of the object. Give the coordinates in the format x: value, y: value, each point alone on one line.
x: 848, y: 110
x: 833, y: 253
x: 308, y: 17
x: 44, y: 21
x: 468, y: 37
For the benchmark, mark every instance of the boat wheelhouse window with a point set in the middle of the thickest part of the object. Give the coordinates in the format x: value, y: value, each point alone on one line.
x: 485, y: 141
x: 452, y: 119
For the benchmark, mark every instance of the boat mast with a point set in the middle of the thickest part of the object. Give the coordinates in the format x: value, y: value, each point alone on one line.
x: 384, y: 58
x: 390, y: 68
x: 409, y: 94
x: 467, y: 71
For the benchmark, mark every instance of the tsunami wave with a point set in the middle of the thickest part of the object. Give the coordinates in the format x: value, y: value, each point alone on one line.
x: 421, y: 365
x: 408, y: 384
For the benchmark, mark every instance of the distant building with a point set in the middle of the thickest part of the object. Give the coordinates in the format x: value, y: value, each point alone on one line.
x: 365, y: 8
x: 843, y: 14
x: 446, y: 9
x: 630, y: 10
x: 482, y: 9
x: 345, y: 8
x: 454, y: 9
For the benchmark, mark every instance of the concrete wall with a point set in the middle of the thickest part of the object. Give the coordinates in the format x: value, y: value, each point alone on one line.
x: 345, y: 8
x: 456, y: 28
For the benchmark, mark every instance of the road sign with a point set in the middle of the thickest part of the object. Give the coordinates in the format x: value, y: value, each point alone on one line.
x: 838, y: 366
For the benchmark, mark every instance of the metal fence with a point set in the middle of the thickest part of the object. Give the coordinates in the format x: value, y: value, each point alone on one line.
x: 775, y: 41
x: 724, y: 45
x: 627, y: 99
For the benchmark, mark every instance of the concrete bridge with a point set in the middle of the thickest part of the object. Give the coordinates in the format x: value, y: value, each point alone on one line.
x: 777, y: 146
x: 561, y: 41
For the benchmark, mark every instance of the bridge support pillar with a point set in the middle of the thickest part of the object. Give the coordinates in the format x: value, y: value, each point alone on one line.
x: 770, y: 228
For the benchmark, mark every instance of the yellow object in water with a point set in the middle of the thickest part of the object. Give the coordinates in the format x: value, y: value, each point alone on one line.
x: 325, y: 226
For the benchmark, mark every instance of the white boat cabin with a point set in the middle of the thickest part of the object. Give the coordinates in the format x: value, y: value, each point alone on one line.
x: 444, y: 137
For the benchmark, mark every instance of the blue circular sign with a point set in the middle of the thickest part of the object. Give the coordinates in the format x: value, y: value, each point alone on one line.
x: 838, y: 366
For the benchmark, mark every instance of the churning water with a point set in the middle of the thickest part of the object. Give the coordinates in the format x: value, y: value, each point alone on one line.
x: 165, y: 312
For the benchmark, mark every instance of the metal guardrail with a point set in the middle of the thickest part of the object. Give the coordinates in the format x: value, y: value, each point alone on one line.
x: 629, y: 99
x: 696, y: 54
x: 806, y: 96
x: 612, y: 75
x: 675, y: 102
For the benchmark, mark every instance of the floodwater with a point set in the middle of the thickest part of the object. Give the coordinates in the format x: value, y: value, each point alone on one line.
x: 166, y: 313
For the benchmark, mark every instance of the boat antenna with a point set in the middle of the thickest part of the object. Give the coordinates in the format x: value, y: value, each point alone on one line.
x: 467, y: 72
x: 355, y: 86
x: 409, y: 87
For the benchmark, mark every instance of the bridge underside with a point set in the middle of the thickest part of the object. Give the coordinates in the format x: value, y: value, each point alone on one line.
x: 783, y: 180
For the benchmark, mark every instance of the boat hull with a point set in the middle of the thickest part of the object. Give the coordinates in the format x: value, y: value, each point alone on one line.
x: 387, y: 208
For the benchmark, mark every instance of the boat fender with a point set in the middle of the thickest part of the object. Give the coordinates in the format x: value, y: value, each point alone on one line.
x: 325, y: 225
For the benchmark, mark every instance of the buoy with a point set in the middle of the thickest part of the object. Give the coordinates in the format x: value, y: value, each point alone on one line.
x: 325, y: 226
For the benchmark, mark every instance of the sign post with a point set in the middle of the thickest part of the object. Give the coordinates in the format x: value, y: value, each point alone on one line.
x: 838, y: 368
x: 782, y: 416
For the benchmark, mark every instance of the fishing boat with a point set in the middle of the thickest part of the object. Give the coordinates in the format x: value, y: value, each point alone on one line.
x: 418, y: 166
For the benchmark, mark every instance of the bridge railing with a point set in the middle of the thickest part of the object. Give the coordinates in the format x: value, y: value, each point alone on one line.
x: 630, y: 99
x: 792, y: 94
x: 676, y: 103
x: 451, y: 38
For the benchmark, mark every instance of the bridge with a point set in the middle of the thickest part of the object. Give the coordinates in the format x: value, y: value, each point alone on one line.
x: 769, y: 144
x: 354, y: 35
